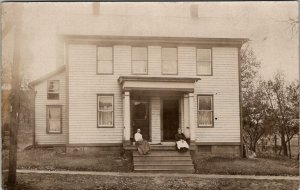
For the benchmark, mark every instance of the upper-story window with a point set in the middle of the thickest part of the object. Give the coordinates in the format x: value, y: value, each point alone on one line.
x: 139, y: 60
x: 53, y: 90
x: 204, y: 62
x: 169, y: 60
x: 104, y: 60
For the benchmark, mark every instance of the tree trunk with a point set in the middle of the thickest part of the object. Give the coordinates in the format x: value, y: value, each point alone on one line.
x: 290, y: 153
x: 15, y: 100
x: 275, y: 139
x: 283, y: 145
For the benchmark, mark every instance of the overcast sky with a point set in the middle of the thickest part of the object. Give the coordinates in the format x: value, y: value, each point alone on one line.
x: 264, y: 23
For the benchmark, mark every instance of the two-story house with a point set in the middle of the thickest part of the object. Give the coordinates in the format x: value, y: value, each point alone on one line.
x: 112, y: 85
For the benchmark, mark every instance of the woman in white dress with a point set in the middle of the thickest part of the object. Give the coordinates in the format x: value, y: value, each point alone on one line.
x: 181, y: 144
x: 141, y: 144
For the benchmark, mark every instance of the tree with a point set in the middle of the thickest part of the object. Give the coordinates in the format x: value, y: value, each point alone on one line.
x: 283, y: 109
x: 254, y: 115
x: 250, y: 66
x: 252, y: 105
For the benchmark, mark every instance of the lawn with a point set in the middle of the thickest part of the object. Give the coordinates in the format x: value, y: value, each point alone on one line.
x: 55, y: 181
x: 45, y: 159
x: 53, y: 159
x: 242, y: 166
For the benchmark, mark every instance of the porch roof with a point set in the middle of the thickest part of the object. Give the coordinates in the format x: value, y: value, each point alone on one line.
x: 183, y: 84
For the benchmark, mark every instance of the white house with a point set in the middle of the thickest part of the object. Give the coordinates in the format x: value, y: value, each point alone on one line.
x: 111, y: 85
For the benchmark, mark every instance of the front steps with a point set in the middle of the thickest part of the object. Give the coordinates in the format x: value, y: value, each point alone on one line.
x: 168, y: 161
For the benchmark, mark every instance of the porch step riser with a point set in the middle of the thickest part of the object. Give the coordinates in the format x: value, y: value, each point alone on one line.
x: 164, y: 162
x: 161, y: 158
x: 165, y: 167
x: 163, y: 153
x: 166, y: 171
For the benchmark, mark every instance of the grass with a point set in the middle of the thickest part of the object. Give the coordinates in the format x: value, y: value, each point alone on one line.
x: 51, y: 181
x: 258, y: 166
x: 44, y: 159
x: 56, y: 159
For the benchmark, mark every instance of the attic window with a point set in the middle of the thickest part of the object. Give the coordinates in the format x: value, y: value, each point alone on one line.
x: 53, y: 90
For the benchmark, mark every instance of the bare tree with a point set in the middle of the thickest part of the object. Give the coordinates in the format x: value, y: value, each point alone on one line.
x: 283, y: 108
x: 255, y: 114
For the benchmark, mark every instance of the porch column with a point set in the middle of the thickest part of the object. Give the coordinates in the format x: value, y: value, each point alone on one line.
x: 126, y: 114
x: 186, y: 115
x: 191, y: 117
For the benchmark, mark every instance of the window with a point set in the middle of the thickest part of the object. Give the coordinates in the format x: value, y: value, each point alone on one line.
x: 139, y: 60
x: 54, y: 119
x: 53, y: 90
x: 205, y: 110
x: 105, y: 60
x: 105, y: 111
x: 204, y: 62
x: 169, y: 60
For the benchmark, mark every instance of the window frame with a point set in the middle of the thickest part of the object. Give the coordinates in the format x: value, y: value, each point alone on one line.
x: 113, y: 111
x: 162, y: 71
x: 212, y: 111
x: 211, y: 61
x: 147, y: 62
x: 48, y: 84
x: 112, y: 60
x: 47, y: 119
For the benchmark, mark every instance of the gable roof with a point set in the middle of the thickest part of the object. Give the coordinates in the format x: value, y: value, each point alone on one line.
x: 47, y: 76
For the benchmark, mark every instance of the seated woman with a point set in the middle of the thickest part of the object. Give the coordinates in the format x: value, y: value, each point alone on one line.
x: 181, y: 144
x: 142, y: 145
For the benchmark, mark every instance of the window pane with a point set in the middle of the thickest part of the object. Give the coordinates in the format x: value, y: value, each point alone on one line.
x: 204, y: 68
x: 204, y: 103
x: 54, y: 126
x: 169, y: 54
x: 105, y: 102
x: 204, y: 118
x: 54, y: 113
x: 139, y: 53
x: 139, y: 67
x: 104, y: 66
x: 105, y: 118
x: 54, y: 119
x: 169, y: 67
x: 204, y: 61
x: 203, y: 54
x: 53, y: 96
x: 53, y: 86
x: 105, y: 53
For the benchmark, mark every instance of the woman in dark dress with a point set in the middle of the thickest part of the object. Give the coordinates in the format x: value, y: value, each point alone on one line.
x: 181, y: 144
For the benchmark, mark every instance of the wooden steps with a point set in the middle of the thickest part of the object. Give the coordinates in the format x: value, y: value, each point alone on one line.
x: 166, y: 161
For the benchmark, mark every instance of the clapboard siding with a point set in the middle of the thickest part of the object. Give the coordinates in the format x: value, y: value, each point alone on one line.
x: 186, y: 61
x: 224, y: 86
x: 85, y: 84
x: 41, y: 137
x: 155, y: 119
x: 83, y: 90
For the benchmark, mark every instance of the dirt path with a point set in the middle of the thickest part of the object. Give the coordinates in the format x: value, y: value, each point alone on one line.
x: 203, y: 176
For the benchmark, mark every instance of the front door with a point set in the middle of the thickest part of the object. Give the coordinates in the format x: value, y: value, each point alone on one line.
x: 140, y: 118
x: 170, y: 119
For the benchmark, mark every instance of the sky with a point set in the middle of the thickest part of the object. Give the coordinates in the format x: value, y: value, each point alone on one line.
x: 265, y: 24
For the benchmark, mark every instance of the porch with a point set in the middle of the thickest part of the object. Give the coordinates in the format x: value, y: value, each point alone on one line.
x: 158, y: 106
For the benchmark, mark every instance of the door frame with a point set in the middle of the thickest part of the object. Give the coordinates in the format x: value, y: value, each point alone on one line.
x: 148, y: 100
x: 161, y: 114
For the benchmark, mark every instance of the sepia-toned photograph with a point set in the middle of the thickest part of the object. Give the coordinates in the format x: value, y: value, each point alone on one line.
x: 150, y: 95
